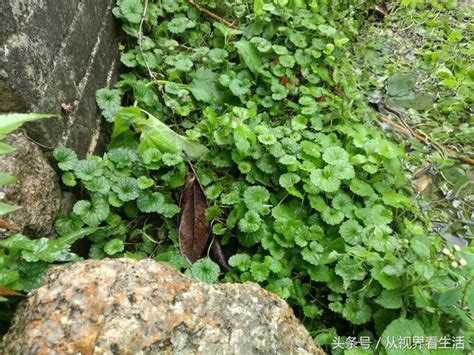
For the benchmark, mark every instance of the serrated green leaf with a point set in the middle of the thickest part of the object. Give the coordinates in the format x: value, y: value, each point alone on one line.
x: 65, y: 157
x: 256, y: 197
x: 332, y: 216
x: 123, y: 157
x: 205, y: 270
x: 349, y: 269
x: 396, y: 200
x: 418, y: 245
x: 361, y: 188
x: 390, y: 299
x: 357, y: 311
x: 169, y: 210
x: 144, y: 182
x: 387, y: 281
x: 250, y: 223
x: 240, y: 261
x: 218, y: 55
x: 334, y: 155
x: 325, y: 179
x: 98, y: 184
x: 351, y: 232
x: 450, y: 297
x: 92, y: 212
x: 260, y: 271
x: 298, y: 39
x: 88, y: 169
x: 149, y: 202
x: 180, y: 24
x: 109, y: 102
x: 114, y: 246
x: 126, y: 189
x: 69, y: 179
x: 402, y: 328
x: 204, y: 86
x: 132, y: 10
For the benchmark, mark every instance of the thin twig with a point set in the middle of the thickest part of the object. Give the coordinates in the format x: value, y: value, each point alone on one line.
x: 211, y: 14
x: 411, y: 133
x: 402, y: 129
x: 140, y: 38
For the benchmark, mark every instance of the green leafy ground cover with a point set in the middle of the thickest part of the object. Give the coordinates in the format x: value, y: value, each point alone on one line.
x: 307, y: 194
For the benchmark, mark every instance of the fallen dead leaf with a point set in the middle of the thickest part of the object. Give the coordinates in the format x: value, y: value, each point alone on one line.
x: 6, y: 292
x: 382, y: 9
x: 193, y: 230
x: 422, y: 183
x: 217, y: 254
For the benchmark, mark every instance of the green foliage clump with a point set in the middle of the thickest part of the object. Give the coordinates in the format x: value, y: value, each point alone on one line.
x: 303, y: 188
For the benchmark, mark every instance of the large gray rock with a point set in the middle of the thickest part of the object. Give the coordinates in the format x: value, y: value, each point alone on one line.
x: 53, y: 53
x: 123, y: 306
x: 36, y: 190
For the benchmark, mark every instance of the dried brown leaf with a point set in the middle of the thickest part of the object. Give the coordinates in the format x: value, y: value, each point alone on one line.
x: 193, y: 230
x: 217, y: 254
x: 6, y: 292
x: 382, y: 9
x: 422, y: 183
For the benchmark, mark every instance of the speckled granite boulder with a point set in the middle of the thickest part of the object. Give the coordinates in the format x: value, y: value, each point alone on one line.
x: 36, y: 190
x: 123, y: 306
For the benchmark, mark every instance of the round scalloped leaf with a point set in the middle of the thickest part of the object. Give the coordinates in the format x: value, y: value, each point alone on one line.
x: 180, y: 24
x: 205, y: 270
x: 108, y: 100
x: 357, y: 311
x: 255, y: 197
x: 349, y: 269
x: 98, y: 184
x: 335, y: 154
x: 343, y: 170
x: 332, y: 216
x: 149, y: 202
x: 122, y: 157
x: 92, y: 212
x: 68, y: 179
x: 289, y: 180
x: 169, y: 210
x: 144, y: 182
x: 390, y: 299
x: 400, y: 328
x: 342, y: 202
x: 87, y: 169
x: 260, y: 271
x: 250, y: 223
x: 126, y: 189
x: 361, y: 188
x: 114, y: 246
x: 325, y: 179
x: 65, y: 157
x: 351, y: 231
x: 132, y: 10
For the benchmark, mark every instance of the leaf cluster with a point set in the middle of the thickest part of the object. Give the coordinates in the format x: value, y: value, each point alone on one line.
x: 303, y: 188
